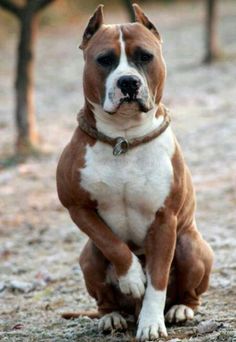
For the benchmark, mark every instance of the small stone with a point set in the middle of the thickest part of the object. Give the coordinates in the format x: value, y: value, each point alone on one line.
x: 207, y: 327
x: 21, y: 286
x: 43, y: 277
x: 2, y: 286
x: 76, y: 269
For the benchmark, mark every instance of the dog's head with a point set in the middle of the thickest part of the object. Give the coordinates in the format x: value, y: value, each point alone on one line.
x: 124, y: 68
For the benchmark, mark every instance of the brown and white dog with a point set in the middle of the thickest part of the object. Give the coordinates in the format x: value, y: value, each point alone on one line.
x: 125, y: 184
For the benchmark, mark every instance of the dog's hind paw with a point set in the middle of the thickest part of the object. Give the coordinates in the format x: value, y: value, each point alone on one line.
x: 112, y: 321
x: 179, y: 313
x: 133, y: 282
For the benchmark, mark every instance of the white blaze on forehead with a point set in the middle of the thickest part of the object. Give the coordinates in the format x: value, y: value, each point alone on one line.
x: 113, y: 94
x: 123, y: 64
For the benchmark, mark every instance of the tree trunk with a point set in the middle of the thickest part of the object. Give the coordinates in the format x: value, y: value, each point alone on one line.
x: 129, y: 7
x: 27, y: 138
x: 212, y: 44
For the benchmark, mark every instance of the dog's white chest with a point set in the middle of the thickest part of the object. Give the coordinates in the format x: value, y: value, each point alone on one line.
x: 129, y: 189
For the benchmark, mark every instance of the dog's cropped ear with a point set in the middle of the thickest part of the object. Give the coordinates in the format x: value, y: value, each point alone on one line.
x: 141, y: 18
x: 95, y: 22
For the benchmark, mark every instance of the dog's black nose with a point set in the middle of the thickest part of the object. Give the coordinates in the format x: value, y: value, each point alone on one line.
x: 129, y: 85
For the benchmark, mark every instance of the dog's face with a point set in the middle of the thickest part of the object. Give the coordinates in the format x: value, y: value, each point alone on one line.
x: 124, y: 68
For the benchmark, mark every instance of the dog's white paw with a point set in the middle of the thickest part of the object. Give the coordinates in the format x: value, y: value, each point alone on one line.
x: 179, y: 313
x: 112, y: 321
x: 133, y: 283
x: 151, y: 331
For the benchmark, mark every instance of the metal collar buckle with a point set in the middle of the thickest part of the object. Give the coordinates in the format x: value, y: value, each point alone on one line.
x: 121, y: 146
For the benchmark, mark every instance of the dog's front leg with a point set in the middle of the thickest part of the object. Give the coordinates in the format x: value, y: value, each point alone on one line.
x: 127, y: 266
x: 160, y: 246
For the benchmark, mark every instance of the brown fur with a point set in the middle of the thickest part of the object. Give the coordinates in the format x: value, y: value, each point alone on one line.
x: 82, y: 209
x: 173, y: 239
x: 175, y: 253
x: 155, y: 71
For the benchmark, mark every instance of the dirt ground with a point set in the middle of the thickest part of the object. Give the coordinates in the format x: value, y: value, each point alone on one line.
x: 39, y: 245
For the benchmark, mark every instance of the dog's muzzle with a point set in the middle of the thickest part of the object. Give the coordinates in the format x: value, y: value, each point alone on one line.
x: 127, y: 89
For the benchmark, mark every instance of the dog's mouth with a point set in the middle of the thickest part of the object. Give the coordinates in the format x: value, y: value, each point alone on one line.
x: 142, y: 106
x: 131, y: 103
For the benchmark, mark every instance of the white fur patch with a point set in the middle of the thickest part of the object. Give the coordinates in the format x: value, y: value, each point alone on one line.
x: 179, y: 313
x: 129, y: 189
x: 133, y: 283
x: 113, y: 94
x: 112, y: 321
x: 151, y: 319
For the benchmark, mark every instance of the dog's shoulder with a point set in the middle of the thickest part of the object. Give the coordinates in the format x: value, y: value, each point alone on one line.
x: 68, y: 170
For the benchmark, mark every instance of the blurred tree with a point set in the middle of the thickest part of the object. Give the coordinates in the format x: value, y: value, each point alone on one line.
x: 212, y: 43
x: 129, y: 7
x: 27, y: 14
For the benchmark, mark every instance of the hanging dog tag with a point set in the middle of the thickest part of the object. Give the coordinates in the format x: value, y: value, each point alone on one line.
x: 121, y: 146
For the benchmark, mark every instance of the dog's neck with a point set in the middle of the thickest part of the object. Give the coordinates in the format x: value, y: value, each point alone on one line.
x: 124, y: 123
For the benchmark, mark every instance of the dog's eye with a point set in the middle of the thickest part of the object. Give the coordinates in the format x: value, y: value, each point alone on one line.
x: 142, y: 56
x: 106, y: 60
x: 145, y: 57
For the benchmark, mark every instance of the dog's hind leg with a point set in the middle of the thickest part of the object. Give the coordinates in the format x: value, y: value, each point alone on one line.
x: 73, y: 315
x: 193, y: 261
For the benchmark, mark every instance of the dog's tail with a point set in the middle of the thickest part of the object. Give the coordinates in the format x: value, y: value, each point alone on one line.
x: 73, y: 315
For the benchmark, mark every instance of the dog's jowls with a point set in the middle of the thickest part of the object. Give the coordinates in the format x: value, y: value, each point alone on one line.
x: 144, y: 254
